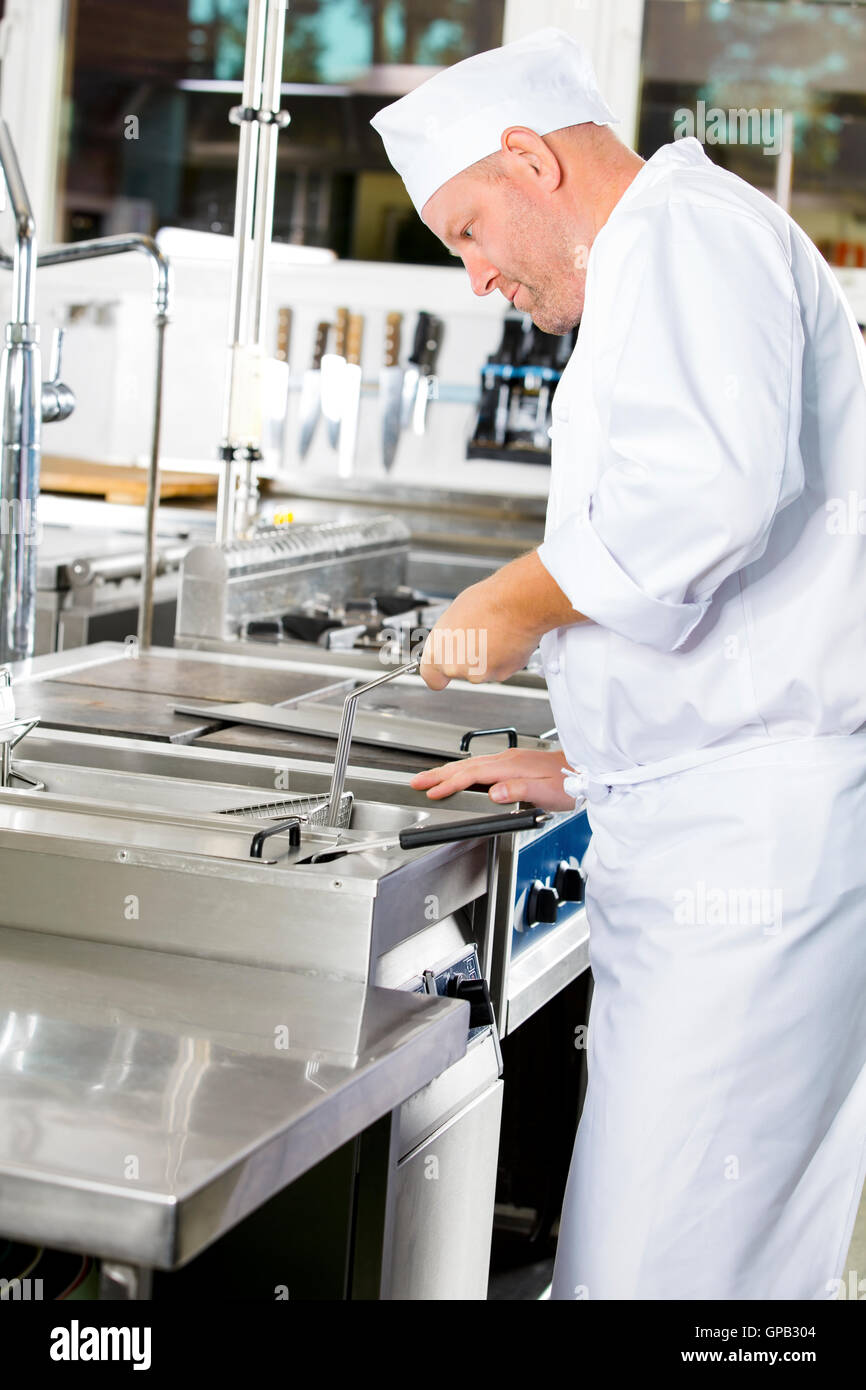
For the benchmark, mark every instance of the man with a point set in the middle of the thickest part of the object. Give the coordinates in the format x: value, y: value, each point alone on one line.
x: 699, y: 598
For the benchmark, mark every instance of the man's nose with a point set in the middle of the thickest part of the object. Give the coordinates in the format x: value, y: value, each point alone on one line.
x: 482, y: 276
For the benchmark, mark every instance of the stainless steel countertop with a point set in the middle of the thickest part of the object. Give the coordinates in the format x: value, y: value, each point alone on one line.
x: 147, y: 1104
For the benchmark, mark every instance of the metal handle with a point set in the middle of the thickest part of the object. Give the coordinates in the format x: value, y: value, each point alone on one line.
x: 293, y: 826
x: 344, y: 741
x: 485, y: 733
x: 506, y: 823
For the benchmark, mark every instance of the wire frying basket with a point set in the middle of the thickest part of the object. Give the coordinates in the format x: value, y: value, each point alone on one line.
x: 310, y: 809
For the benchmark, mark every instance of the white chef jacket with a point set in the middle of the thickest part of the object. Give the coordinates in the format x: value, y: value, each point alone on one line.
x: 708, y: 444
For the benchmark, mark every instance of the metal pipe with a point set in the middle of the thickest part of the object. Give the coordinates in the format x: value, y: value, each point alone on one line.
x: 344, y: 739
x: 96, y: 249
x: 21, y: 405
x: 23, y: 284
x: 260, y: 120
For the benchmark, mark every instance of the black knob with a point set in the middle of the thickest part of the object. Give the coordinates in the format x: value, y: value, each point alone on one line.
x: 569, y: 883
x: 478, y: 995
x: 542, y: 904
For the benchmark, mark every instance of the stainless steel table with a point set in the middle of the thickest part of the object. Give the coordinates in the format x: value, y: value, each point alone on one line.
x: 149, y: 1102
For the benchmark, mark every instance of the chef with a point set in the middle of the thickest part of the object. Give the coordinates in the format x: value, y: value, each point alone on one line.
x: 700, y: 604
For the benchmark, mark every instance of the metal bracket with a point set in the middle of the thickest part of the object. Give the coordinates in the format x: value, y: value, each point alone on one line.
x: 239, y: 115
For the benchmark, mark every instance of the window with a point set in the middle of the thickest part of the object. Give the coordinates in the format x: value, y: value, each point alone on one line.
x: 152, y: 81
x: 803, y: 60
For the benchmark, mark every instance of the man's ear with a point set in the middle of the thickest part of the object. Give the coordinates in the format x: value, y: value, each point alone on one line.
x: 533, y: 154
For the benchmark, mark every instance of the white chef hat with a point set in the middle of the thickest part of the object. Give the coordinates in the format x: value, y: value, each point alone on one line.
x: 544, y: 81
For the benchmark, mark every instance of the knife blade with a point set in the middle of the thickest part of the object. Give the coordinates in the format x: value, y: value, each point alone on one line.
x: 333, y: 365
x: 311, y: 391
x: 351, y: 393
x: 413, y: 369
x: 428, y: 371
x: 391, y: 390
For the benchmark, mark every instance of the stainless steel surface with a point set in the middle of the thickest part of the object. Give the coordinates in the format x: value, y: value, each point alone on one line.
x: 287, y: 567
x: 436, y: 1190
x: 149, y: 1103
x: 381, y: 727
x: 540, y: 973
x: 344, y: 738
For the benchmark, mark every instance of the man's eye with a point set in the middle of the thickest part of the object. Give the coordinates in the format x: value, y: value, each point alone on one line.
x: 466, y: 231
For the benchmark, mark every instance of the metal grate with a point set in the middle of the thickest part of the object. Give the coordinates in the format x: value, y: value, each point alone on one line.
x: 313, y: 810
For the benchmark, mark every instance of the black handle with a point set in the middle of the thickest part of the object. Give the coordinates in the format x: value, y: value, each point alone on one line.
x: 422, y: 333
x: 293, y: 826
x: 484, y: 733
x: 427, y: 360
x: 505, y: 823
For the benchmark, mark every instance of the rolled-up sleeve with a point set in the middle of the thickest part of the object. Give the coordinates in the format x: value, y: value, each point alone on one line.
x: 697, y: 390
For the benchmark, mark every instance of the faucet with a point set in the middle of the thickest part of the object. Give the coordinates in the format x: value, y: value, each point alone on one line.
x: 21, y: 403
x: 25, y: 402
x: 12, y: 730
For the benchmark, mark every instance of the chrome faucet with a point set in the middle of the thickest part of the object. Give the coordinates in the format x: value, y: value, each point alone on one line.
x: 26, y: 401
x: 21, y: 404
x: 12, y: 730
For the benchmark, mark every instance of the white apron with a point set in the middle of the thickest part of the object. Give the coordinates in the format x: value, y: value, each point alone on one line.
x: 722, y: 1148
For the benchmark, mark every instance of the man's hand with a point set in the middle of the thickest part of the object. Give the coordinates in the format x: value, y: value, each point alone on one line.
x: 518, y: 774
x: 492, y: 628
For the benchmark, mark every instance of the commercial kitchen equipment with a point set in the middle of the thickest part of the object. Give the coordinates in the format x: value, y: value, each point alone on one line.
x: 533, y: 963
x: 540, y: 941
x: 221, y: 872
x: 26, y: 401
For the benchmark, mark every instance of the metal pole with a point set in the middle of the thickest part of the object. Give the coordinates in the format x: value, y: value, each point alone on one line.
x: 260, y: 120
x: 145, y: 610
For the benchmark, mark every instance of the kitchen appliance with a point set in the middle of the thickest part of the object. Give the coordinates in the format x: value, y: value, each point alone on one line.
x: 409, y: 910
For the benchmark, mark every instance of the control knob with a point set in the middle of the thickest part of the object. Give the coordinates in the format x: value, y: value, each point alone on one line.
x: 542, y: 904
x: 569, y: 883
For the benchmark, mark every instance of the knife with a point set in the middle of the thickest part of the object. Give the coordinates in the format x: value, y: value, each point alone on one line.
x: 428, y: 368
x: 333, y: 364
x: 391, y: 390
x: 351, y: 394
x: 311, y: 391
x: 413, y: 369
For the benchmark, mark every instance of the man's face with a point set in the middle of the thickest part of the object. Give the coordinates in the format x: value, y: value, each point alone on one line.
x: 514, y: 239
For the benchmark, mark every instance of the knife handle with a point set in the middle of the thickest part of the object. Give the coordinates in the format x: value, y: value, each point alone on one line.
x: 320, y: 345
x: 393, y: 323
x: 284, y: 333
x: 422, y: 333
x: 430, y: 350
x: 354, y: 334
x: 341, y: 326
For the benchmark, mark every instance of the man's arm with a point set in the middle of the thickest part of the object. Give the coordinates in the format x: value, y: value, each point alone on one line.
x: 492, y: 628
